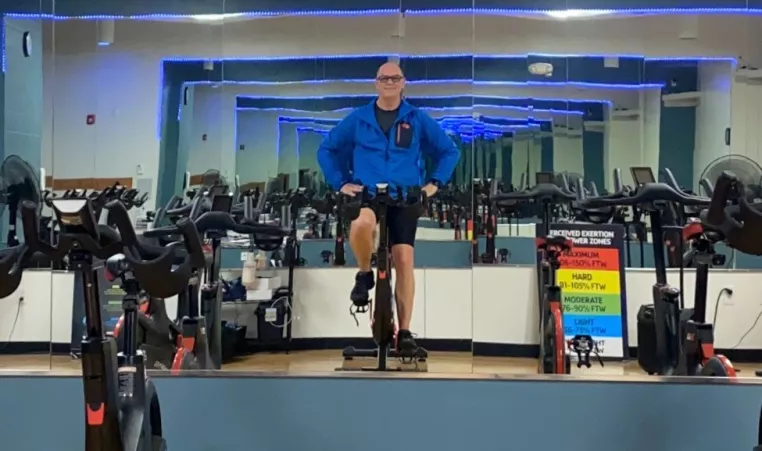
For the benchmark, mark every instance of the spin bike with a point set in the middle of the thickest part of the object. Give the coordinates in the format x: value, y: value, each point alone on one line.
x: 383, y: 324
x: 163, y: 341
x: 193, y: 349
x: 553, y: 357
x: 483, y: 192
x: 121, y: 405
x: 682, y: 341
x: 697, y: 356
x: 739, y: 222
x: 327, y: 206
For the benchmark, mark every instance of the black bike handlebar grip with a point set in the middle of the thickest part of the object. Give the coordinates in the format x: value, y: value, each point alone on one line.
x: 180, y: 211
x: 161, y: 232
x: 707, y: 185
x: 196, y: 206
x: 248, y: 208
x: 192, y: 242
x: 173, y: 203
x: 670, y: 179
x: 580, y: 189
x: 618, y: 187
x: 30, y: 225
x: 11, y: 264
x: 593, y: 189
x: 261, y: 201
x: 493, y: 186
x: 565, y: 182
x: 716, y: 216
x: 118, y: 214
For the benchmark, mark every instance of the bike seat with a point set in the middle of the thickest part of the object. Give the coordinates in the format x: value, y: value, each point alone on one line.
x: 559, y: 244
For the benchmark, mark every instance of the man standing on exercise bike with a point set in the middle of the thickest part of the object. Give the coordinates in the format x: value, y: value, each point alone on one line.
x: 385, y: 142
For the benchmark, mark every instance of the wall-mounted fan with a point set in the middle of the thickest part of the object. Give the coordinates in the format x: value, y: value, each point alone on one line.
x: 18, y: 182
x: 746, y: 169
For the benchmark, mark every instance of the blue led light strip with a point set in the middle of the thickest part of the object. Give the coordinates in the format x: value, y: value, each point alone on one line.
x: 393, y: 11
x: 446, y: 121
x: 469, y: 108
x: 458, y: 96
x: 2, y: 43
x: 443, y: 120
x: 560, y: 84
x: 520, y: 56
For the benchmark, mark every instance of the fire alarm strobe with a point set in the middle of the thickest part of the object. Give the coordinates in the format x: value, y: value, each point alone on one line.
x: 545, y: 69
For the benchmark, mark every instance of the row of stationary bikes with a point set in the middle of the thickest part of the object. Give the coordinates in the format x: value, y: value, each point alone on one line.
x: 673, y: 340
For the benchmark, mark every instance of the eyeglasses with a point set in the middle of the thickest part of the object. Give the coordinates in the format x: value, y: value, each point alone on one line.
x: 392, y: 79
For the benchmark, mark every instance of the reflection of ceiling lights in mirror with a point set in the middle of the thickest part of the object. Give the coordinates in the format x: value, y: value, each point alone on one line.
x: 215, y: 17
x: 578, y: 13
x: 545, y: 69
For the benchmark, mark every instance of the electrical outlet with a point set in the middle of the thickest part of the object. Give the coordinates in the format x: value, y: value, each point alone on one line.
x: 727, y: 294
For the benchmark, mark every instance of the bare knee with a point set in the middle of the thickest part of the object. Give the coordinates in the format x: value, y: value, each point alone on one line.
x: 365, y: 224
x: 402, y: 254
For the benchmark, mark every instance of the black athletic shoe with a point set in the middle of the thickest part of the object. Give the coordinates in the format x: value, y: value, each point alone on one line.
x: 364, y: 282
x: 406, y: 345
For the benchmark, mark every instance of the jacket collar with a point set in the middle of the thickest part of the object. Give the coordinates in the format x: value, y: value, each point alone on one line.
x: 368, y: 112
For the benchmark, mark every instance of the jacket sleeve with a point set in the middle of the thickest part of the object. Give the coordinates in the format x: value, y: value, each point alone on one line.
x: 440, y: 148
x: 335, y: 153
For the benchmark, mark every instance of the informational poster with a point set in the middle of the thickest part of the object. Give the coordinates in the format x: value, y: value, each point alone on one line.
x: 592, y: 282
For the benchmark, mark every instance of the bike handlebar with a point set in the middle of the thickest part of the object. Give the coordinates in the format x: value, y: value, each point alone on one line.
x: 158, y: 274
x: 645, y: 194
x: 547, y: 192
x: 618, y: 186
x: 413, y: 199
x: 11, y: 266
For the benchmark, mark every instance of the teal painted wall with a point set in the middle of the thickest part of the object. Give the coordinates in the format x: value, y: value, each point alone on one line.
x: 170, y: 143
x: 546, y: 161
x: 592, y: 154
x: 185, y: 137
x: 22, y: 84
x: 321, y: 414
x: 677, y: 142
x: 507, y: 159
x: 21, y: 98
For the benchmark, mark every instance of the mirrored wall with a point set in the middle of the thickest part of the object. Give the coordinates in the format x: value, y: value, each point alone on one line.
x: 25, y: 322
x: 590, y: 93
x: 157, y: 107
x: 231, y: 109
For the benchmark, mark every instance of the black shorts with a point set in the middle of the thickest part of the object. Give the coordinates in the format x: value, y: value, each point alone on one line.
x: 402, y: 226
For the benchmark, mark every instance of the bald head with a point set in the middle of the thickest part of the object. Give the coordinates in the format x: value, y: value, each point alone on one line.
x: 390, y: 81
x: 389, y: 69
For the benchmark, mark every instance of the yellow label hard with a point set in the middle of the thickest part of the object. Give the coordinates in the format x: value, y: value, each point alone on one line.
x: 576, y: 281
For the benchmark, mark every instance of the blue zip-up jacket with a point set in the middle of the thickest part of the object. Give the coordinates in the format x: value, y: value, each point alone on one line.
x: 358, y: 151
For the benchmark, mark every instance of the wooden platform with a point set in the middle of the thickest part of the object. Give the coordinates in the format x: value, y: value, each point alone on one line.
x: 441, y: 364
